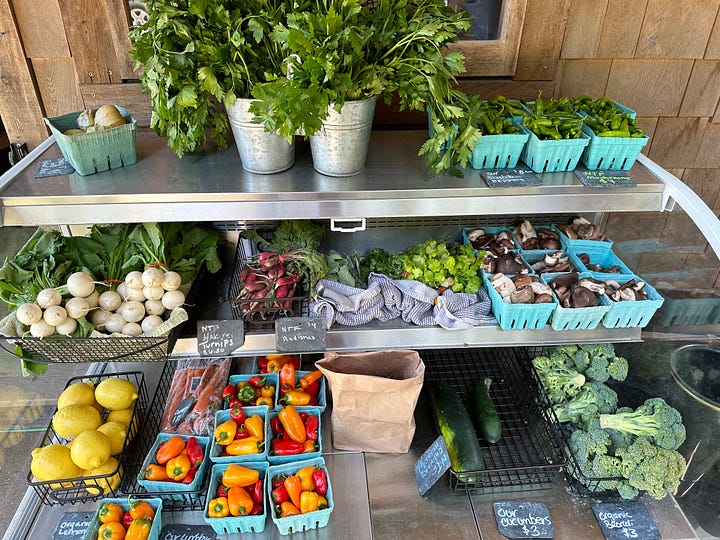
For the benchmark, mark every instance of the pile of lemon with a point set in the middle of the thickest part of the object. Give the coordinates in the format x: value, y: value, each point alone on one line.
x: 94, y: 420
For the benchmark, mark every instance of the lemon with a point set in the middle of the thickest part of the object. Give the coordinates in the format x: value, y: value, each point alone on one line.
x: 106, y: 484
x: 53, y: 462
x: 114, y: 393
x: 72, y: 420
x: 124, y: 416
x: 90, y: 449
x: 78, y: 393
x: 115, y: 431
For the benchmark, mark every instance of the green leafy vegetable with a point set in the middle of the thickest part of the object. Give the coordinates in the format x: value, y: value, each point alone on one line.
x: 442, y: 266
x: 379, y: 261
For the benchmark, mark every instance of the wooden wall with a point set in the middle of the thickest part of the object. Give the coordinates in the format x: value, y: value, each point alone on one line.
x: 660, y: 57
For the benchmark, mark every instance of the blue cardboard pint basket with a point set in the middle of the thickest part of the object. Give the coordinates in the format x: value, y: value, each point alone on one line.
x: 273, y: 459
x: 518, y: 316
x: 216, y: 449
x: 488, y: 230
x: 176, y: 491
x: 586, y: 318
x: 301, y: 522
x: 237, y: 524
x: 156, y: 503
x: 631, y: 313
x: 579, y: 244
x: 611, y: 153
x: 498, y: 151
x: 604, y: 258
x: 532, y: 256
x: 551, y: 155
x: 321, y: 397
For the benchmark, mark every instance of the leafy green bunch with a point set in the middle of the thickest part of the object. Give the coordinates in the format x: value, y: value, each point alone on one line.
x: 444, y: 266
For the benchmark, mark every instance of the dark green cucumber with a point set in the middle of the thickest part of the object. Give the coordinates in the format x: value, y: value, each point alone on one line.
x: 457, y: 430
x: 488, y: 421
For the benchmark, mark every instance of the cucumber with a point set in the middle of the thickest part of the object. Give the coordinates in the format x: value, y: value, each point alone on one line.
x: 457, y: 430
x: 488, y: 421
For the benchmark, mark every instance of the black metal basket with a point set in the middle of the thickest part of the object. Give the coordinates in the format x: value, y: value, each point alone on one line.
x: 262, y: 312
x: 529, y: 455
x: 596, y: 487
x: 91, y: 488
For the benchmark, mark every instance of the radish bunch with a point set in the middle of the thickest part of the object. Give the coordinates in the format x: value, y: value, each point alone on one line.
x: 136, y: 306
x: 268, y: 285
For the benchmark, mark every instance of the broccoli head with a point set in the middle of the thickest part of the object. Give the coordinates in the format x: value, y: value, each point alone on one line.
x: 585, y: 444
x: 651, y: 468
x: 592, y: 399
x: 559, y: 381
x: 654, y: 419
x: 618, y: 368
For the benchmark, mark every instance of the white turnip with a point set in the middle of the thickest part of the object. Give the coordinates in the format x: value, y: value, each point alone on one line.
x: 153, y: 293
x: 77, y: 307
x: 132, y: 311
x: 154, y: 307
x: 173, y: 299
x: 150, y: 323
x: 134, y: 280
x: 134, y: 294
x: 48, y: 297
x: 93, y: 299
x: 152, y: 277
x: 98, y: 318
x: 41, y: 329
x: 171, y: 281
x: 28, y: 313
x: 55, y: 315
x: 115, y: 323
x: 131, y: 329
x: 80, y: 284
x: 110, y: 300
x: 67, y: 328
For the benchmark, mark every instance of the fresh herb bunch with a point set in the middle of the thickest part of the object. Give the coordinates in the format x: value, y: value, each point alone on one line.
x: 380, y: 261
x: 197, y: 57
x: 444, y: 266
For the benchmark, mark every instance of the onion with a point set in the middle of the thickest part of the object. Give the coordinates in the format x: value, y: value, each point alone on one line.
x: 150, y: 323
x: 110, y: 300
x: 55, y: 315
x: 48, y: 297
x: 77, y: 307
x: 153, y: 293
x: 152, y: 277
x: 132, y: 311
x: 173, y: 299
x: 29, y: 313
x: 115, y: 323
x: 41, y: 329
x: 80, y: 284
x: 67, y: 328
x: 134, y: 280
x: 154, y: 307
x: 171, y: 281
x: 131, y: 329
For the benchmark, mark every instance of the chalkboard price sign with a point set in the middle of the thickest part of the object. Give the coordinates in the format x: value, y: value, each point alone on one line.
x: 606, y: 179
x: 433, y: 463
x: 523, y: 519
x: 623, y: 520
x: 53, y: 167
x: 300, y: 334
x: 187, y: 532
x: 510, y: 177
x: 219, y: 338
x: 72, y: 525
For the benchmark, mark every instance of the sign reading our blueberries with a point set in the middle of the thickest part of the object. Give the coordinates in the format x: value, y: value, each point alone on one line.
x: 300, y: 334
x: 604, y: 178
x: 72, y: 525
x: 431, y: 465
x: 187, y: 532
x: 523, y: 519
x: 620, y: 521
x: 219, y: 338
x: 510, y: 177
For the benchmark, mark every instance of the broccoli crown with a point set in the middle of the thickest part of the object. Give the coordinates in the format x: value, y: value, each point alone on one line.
x: 618, y: 368
x: 592, y: 399
x: 586, y: 444
x: 648, y: 467
x: 559, y: 381
x: 654, y: 419
x: 597, y: 362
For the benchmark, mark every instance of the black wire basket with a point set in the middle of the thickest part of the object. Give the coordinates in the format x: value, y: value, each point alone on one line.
x: 529, y: 454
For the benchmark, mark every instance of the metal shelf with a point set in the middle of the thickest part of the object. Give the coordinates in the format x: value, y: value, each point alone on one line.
x: 214, y: 187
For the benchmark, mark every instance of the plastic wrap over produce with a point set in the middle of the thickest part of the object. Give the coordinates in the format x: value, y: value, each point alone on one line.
x: 387, y: 299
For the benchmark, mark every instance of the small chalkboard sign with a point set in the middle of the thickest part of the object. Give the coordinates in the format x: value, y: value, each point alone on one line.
x: 53, y: 167
x: 219, y: 338
x: 510, y: 177
x: 523, y: 519
x: 185, y: 532
x: 72, y: 525
x: 431, y: 465
x: 627, y: 519
x: 300, y: 334
x: 607, y: 179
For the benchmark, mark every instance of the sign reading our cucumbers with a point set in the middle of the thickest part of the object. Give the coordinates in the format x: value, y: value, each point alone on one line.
x: 187, y: 532
x: 523, y: 519
x: 300, y: 334
x: 219, y: 338
x: 628, y: 519
x: 431, y: 465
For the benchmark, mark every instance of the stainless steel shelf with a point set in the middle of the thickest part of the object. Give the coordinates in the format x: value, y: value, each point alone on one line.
x: 215, y: 187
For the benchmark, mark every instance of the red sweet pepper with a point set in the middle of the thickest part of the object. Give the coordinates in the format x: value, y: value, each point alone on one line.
x: 237, y: 413
x: 222, y: 491
x: 194, y: 451
x: 276, y: 426
x: 127, y: 519
x: 257, y: 509
x: 279, y: 494
x: 319, y: 478
x: 190, y: 476
x: 258, y: 381
x: 262, y: 363
x: 311, y: 427
x: 229, y: 392
x: 314, y: 390
x: 256, y: 492
x: 278, y: 481
x: 286, y: 447
x: 242, y: 432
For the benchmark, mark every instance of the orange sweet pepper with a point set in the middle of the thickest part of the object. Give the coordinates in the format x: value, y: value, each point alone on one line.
x: 255, y: 426
x: 239, y: 501
x: 308, y: 502
x: 178, y: 467
x: 293, y: 424
x: 218, y: 508
x: 305, y: 476
x: 225, y: 433
x: 294, y: 489
x: 237, y: 475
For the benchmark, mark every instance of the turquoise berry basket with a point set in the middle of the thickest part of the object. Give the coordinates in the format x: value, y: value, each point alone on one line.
x: 604, y: 258
x: 631, y: 313
x: 216, y: 449
x: 550, y: 155
x: 98, y: 151
x: 296, y: 457
x: 518, y: 316
x: 488, y: 230
x: 176, y: 491
x: 302, y: 522
x: 237, y: 524
x: 321, y: 398
x: 576, y: 245
x: 271, y: 378
x: 611, y: 153
x: 498, y: 151
x: 586, y: 318
x: 155, y: 502
x: 531, y: 256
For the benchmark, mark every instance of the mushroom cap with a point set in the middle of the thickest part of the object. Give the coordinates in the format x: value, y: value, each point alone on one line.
x: 582, y: 297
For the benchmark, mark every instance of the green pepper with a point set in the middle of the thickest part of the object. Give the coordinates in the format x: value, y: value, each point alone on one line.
x: 245, y: 392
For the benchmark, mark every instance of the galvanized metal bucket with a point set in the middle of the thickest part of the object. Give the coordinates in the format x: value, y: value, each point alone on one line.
x: 340, y: 147
x: 260, y: 151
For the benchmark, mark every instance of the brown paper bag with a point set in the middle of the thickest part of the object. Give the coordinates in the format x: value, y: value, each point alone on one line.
x: 373, y: 398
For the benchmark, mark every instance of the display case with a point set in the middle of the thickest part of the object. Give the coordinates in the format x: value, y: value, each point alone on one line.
x: 393, y: 203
